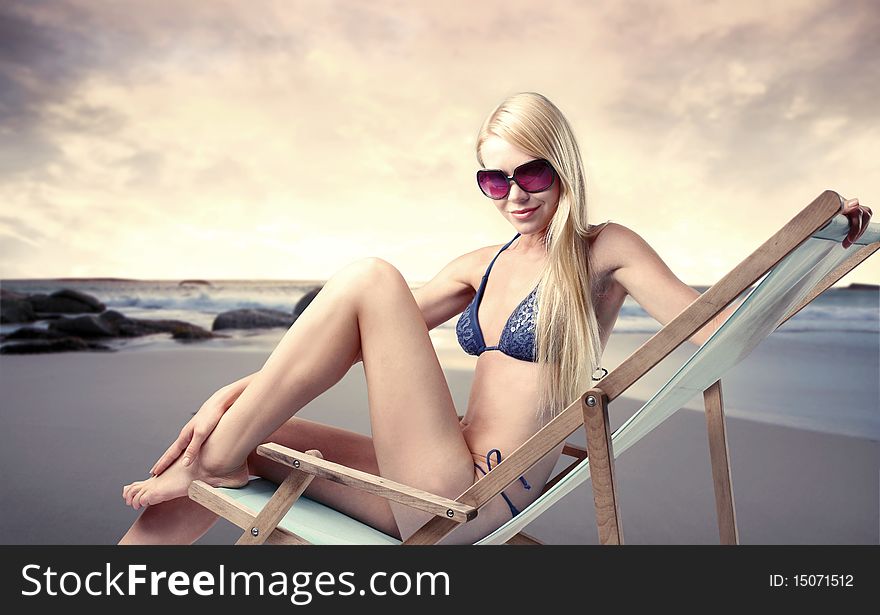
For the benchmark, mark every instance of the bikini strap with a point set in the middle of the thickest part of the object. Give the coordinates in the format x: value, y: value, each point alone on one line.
x: 507, y: 245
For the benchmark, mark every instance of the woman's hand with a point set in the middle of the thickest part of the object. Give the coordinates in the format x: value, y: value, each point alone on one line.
x: 859, y: 217
x: 195, y: 431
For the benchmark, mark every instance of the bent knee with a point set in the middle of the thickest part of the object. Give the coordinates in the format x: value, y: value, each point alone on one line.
x: 369, y: 273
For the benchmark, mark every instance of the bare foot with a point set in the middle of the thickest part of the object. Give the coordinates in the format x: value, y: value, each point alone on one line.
x: 174, y: 483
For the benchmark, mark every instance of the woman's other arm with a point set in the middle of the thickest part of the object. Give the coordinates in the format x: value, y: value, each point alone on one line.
x: 648, y: 280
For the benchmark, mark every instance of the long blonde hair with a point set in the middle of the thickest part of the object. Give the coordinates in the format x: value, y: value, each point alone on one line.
x: 567, y: 332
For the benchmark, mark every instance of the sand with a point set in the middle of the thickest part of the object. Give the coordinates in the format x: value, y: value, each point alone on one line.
x: 76, y: 427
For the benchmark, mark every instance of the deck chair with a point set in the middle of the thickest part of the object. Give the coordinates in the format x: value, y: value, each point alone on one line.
x: 798, y: 263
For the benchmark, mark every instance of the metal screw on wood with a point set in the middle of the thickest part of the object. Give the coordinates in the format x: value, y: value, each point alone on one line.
x: 296, y: 463
x: 255, y: 532
x: 450, y: 513
x: 591, y: 400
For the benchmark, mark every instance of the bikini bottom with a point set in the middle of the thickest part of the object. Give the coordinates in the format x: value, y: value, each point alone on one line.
x: 513, y: 511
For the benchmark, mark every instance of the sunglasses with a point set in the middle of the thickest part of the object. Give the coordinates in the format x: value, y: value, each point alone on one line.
x: 532, y: 176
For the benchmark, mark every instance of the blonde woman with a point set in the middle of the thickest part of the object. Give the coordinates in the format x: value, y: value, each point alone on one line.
x: 538, y: 324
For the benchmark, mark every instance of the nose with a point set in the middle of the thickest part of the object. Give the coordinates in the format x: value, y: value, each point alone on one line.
x: 517, y: 194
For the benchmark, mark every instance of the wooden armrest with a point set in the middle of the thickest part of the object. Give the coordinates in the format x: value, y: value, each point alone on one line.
x: 573, y: 450
x: 388, y: 489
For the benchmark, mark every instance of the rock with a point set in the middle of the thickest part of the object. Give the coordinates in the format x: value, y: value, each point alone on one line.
x: 251, y: 319
x: 66, y: 301
x: 14, y: 307
x: 190, y: 332
x: 858, y: 286
x: 194, y: 283
x: 304, y: 301
x: 113, y: 324
x: 88, y: 325
x: 134, y: 327
x: 113, y: 317
x: 32, y: 333
x: 62, y: 344
x: 11, y: 294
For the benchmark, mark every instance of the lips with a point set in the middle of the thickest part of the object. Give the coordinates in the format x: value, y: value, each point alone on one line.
x: 526, y: 213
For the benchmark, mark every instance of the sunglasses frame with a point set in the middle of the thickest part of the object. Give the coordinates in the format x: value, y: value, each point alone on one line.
x: 513, y: 178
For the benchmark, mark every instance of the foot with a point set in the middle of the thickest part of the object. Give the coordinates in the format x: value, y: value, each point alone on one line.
x: 175, y: 480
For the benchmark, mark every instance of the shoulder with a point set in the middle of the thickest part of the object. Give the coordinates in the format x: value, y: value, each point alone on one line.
x: 614, y: 245
x: 468, y: 268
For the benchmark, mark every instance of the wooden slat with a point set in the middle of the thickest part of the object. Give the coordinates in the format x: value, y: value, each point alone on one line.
x: 833, y: 276
x: 432, y: 532
x: 523, y: 539
x: 720, y: 457
x: 552, y: 482
x: 605, y: 494
x: 453, y: 510
x: 273, y: 512
x: 715, y: 299
x: 573, y: 450
x: 233, y: 511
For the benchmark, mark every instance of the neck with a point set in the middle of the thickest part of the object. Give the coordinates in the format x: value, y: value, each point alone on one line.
x: 531, y: 243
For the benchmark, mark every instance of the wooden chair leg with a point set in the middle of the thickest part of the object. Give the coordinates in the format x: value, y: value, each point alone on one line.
x: 605, y: 495
x: 523, y: 539
x: 277, y: 506
x: 720, y: 457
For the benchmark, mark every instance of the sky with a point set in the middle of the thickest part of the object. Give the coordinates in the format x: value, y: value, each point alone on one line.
x: 282, y: 140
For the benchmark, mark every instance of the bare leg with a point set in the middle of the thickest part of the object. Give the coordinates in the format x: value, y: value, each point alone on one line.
x: 179, y: 521
x: 182, y: 521
x: 418, y: 441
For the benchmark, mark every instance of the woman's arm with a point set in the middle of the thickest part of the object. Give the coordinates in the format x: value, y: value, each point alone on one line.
x: 233, y: 391
x: 648, y: 280
x: 197, y: 429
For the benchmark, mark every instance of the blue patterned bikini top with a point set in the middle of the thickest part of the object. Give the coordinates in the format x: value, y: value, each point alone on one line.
x: 517, y: 337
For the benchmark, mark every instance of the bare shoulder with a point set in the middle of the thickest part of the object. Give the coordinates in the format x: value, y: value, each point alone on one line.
x: 473, y: 264
x: 612, y: 245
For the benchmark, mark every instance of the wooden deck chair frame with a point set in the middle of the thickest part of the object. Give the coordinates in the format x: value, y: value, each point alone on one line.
x: 590, y: 411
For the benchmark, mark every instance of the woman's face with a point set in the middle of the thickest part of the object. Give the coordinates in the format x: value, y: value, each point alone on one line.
x: 499, y: 154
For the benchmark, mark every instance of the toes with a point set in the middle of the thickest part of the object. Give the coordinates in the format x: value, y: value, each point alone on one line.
x: 134, y: 492
x: 143, y: 498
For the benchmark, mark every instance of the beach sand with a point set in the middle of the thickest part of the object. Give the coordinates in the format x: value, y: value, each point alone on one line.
x: 76, y: 427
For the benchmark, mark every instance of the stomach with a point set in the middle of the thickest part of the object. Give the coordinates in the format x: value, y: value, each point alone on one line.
x: 501, y: 414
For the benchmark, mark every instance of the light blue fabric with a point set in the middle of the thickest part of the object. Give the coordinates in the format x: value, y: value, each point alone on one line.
x: 311, y: 520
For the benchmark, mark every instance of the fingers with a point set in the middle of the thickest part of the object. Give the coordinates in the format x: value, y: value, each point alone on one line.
x: 859, y: 217
x: 173, y: 451
x: 194, y: 446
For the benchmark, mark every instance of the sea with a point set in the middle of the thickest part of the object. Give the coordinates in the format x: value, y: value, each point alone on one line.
x: 837, y: 309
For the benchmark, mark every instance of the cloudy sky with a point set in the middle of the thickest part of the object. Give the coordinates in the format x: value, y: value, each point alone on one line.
x: 281, y: 140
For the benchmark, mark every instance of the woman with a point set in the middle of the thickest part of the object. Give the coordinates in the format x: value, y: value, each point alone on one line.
x: 533, y: 361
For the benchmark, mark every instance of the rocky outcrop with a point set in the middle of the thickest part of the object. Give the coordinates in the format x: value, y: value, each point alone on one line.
x: 17, y: 307
x: 70, y: 333
x: 14, y: 307
x: 58, y: 344
x: 251, y: 319
x: 66, y: 301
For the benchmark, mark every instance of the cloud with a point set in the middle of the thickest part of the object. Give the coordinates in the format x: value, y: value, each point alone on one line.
x: 283, y: 139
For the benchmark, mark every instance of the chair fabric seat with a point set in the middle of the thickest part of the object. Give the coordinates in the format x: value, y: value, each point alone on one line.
x: 311, y: 520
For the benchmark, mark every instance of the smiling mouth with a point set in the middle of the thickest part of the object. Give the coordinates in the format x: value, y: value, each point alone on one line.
x: 522, y: 211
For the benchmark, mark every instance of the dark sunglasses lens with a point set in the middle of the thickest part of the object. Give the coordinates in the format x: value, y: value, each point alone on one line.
x: 493, y: 184
x: 535, y: 176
